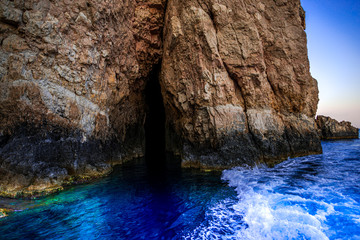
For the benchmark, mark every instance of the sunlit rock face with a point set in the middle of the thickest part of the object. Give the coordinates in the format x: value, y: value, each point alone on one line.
x: 234, y: 77
x: 329, y: 128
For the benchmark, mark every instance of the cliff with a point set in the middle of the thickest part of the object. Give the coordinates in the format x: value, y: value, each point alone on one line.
x: 73, y: 74
x: 75, y: 77
x: 236, y: 77
x: 329, y: 128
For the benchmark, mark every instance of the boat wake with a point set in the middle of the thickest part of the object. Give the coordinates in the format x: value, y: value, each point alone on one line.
x: 314, y: 197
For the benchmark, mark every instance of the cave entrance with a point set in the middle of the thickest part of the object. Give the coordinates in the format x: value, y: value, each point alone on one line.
x: 154, y: 122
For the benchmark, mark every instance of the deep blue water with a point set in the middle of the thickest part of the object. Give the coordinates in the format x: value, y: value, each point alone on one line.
x: 313, y: 197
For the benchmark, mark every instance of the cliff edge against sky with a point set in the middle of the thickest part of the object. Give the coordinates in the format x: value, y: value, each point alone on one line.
x: 74, y: 95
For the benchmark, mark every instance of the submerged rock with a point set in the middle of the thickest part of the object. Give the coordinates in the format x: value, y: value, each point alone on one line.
x: 234, y: 79
x: 329, y: 128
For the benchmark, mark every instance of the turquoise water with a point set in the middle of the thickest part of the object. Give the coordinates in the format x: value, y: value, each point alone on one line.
x: 313, y: 197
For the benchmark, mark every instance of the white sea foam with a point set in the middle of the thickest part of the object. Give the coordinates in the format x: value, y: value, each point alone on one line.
x: 262, y: 213
x: 313, y: 197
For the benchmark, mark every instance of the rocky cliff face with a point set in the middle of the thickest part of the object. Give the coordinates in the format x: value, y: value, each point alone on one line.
x: 72, y: 76
x: 234, y: 76
x: 329, y: 128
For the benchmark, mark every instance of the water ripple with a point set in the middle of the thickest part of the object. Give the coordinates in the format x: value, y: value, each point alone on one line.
x: 313, y: 197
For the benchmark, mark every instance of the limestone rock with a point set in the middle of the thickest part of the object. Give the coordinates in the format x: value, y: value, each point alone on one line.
x: 72, y: 76
x: 329, y: 128
x: 10, y: 14
x: 235, y: 76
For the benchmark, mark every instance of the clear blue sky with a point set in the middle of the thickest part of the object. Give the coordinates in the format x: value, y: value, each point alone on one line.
x: 333, y: 32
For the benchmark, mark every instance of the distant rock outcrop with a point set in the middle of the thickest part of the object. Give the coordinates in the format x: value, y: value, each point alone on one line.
x: 234, y: 78
x: 329, y: 128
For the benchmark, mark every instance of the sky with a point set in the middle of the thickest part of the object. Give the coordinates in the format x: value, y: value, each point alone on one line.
x: 333, y: 33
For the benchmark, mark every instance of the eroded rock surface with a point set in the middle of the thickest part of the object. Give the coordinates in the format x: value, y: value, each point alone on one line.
x: 236, y: 79
x: 329, y: 128
x: 234, y: 76
x: 72, y: 76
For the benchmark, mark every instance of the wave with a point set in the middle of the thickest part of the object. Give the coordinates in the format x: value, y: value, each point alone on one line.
x: 301, y: 198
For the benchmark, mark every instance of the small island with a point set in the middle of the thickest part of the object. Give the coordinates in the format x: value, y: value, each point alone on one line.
x: 329, y: 128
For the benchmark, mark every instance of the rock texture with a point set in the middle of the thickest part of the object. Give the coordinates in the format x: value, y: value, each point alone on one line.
x: 234, y: 76
x: 329, y: 128
x: 236, y: 79
x: 72, y: 77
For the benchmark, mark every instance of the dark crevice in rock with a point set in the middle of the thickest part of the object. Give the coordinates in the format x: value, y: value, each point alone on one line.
x: 4, y: 139
x: 163, y: 20
x: 271, y: 85
x: 154, y: 121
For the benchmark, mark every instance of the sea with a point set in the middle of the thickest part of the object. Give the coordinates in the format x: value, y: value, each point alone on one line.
x: 312, y: 197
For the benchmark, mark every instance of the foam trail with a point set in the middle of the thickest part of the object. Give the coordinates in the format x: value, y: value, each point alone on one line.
x: 266, y: 208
